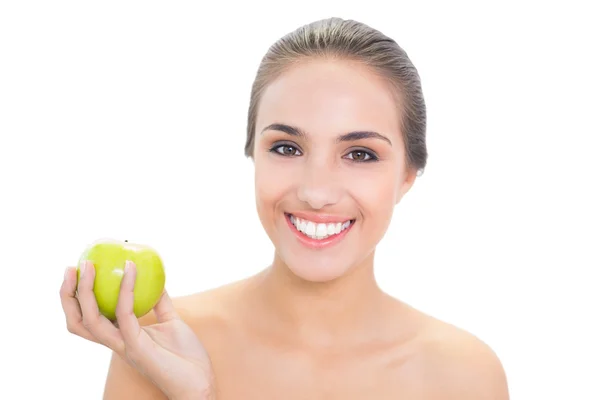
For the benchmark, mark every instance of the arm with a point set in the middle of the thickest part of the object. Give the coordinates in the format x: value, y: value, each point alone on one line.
x: 124, y: 383
x: 162, y: 347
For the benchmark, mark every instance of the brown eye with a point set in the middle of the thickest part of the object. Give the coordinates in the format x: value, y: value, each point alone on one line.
x: 286, y: 150
x: 361, y: 156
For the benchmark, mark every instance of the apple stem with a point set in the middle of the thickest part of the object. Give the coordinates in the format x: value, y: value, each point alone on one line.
x: 125, y: 240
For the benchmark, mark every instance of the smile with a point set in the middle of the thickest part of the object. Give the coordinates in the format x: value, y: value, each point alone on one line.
x: 318, y: 233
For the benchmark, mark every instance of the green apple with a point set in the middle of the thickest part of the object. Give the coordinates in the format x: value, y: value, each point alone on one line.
x: 108, y: 257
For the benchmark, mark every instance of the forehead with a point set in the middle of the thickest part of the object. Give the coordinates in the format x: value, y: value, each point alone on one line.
x: 329, y: 97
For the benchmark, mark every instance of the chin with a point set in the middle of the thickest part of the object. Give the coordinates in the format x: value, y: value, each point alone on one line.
x: 319, y: 270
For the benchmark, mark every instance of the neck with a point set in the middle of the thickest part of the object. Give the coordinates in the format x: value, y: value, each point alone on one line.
x: 321, y: 312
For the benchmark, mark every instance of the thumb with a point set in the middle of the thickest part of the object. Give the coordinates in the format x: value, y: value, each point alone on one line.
x: 165, y: 310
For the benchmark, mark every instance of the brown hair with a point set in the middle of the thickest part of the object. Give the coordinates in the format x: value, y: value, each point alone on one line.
x: 355, y: 41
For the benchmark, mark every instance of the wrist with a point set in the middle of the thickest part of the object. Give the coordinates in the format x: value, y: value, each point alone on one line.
x: 200, y: 394
x: 202, y: 388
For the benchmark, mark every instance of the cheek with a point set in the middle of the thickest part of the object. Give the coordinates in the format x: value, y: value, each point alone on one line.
x: 376, y: 193
x: 269, y: 184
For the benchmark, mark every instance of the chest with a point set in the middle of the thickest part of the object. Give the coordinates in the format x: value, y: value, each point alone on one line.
x: 270, y: 372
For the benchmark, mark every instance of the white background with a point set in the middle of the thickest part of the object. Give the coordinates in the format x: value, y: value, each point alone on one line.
x: 127, y: 119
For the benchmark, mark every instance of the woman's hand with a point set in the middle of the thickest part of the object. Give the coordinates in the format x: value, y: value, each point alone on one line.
x: 168, y: 353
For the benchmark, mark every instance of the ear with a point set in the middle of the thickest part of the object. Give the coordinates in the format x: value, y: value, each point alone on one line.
x: 406, y: 183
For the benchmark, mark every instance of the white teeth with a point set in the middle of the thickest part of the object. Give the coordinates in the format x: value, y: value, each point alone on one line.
x: 311, y: 228
x: 330, y: 229
x: 316, y: 230
x: 302, y: 225
x: 321, y: 231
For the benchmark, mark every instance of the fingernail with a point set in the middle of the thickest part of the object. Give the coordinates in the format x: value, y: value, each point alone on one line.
x: 67, y: 272
x: 128, y: 266
x: 82, y: 269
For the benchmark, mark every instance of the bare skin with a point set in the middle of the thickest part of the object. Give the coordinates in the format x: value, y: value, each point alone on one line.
x: 403, y: 354
x: 314, y: 324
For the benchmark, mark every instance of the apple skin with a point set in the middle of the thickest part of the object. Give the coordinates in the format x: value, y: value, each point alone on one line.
x: 108, y: 257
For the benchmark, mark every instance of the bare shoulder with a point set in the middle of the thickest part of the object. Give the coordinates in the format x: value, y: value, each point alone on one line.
x: 205, y: 308
x: 205, y: 312
x: 455, y: 364
x: 210, y: 308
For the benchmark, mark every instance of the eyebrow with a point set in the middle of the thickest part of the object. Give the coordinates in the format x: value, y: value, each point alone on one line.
x: 347, y: 137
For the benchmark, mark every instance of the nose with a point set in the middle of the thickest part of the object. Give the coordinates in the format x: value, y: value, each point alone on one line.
x: 320, y: 186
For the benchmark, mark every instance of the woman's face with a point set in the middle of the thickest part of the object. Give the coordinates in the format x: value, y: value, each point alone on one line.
x: 329, y: 166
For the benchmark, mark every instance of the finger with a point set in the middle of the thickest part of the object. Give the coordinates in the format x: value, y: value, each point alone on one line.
x: 128, y: 322
x: 164, y: 309
x: 70, y: 305
x: 97, y: 324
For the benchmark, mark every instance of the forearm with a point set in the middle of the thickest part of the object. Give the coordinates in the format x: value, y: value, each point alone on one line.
x: 207, y: 394
x: 202, y: 392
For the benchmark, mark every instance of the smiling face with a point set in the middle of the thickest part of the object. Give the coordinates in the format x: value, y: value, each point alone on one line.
x: 329, y: 166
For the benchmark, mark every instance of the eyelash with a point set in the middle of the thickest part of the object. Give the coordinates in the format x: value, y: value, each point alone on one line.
x: 372, y: 156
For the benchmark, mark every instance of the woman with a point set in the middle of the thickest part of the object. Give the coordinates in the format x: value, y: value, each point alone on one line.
x: 336, y: 130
